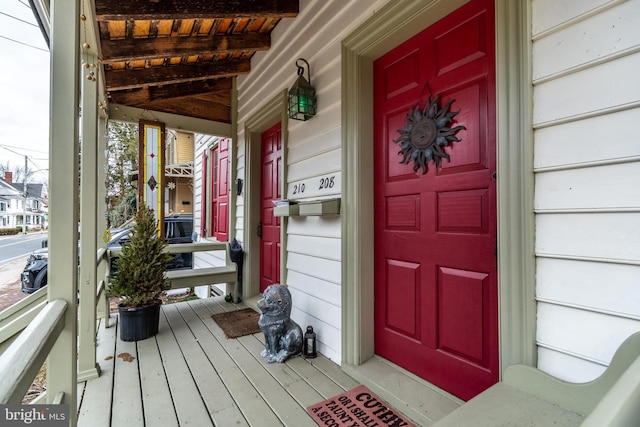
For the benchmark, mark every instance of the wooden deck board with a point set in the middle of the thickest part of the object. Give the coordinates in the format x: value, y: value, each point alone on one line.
x: 218, y: 399
x: 158, y: 403
x: 281, y: 403
x: 191, y: 374
x: 255, y: 410
x: 287, y: 377
x: 96, y: 399
x: 287, y: 392
x: 187, y: 401
x: 214, y: 395
x: 126, y: 387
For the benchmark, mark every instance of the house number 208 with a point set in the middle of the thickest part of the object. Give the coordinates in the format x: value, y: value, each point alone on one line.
x: 327, y: 182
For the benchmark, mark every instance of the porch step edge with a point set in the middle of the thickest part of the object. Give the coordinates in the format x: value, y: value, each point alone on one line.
x: 419, y: 400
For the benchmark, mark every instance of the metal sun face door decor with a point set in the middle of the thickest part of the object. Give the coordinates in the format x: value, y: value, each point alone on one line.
x: 426, y: 133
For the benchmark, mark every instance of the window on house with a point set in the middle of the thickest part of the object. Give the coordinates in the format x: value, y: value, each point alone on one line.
x: 3, y: 207
x: 215, y: 191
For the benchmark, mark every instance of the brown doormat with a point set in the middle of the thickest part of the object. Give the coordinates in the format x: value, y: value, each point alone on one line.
x: 238, y: 323
x: 357, y: 407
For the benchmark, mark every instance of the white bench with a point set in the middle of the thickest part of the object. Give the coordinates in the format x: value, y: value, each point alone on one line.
x: 529, y: 397
x: 189, y: 278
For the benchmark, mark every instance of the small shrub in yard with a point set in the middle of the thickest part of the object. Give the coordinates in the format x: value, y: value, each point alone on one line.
x: 9, y: 231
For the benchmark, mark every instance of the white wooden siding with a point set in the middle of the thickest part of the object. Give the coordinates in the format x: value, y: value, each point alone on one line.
x: 602, y: 139
x: 616, y: 34
x: 608, y: 331
x: 202, y: 142
x: 580, y: 284
x: 603, y: 88
x: 552, y: 14
x: 314, y: 149
x: 586, y: 100
x: 589, y: 188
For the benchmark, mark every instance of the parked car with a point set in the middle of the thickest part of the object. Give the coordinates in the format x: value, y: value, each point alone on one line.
x: 178, y: 229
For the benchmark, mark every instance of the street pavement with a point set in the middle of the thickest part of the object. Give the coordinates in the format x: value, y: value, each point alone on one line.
x: 10, y: 292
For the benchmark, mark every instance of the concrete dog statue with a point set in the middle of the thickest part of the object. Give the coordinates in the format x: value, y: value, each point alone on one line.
x: 283, y: 336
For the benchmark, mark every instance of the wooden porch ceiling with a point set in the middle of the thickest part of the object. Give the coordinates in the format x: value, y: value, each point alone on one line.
x: 180, y: 56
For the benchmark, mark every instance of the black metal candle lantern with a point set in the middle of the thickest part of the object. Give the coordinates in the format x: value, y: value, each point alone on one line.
x: 309, y: 345
x: 302, y: 96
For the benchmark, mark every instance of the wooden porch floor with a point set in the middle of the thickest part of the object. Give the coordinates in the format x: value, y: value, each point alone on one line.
x: 191, y: 374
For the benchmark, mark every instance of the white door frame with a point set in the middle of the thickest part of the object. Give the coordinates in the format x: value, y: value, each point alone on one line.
x: 389, y: 27
x: 268, y: 115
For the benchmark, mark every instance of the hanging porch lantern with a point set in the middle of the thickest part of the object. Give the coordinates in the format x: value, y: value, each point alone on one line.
x: 302, y: 96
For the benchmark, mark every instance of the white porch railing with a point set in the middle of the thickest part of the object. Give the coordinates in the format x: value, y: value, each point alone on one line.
x: 29, y: 329
x: 18, y: 316
x: 226, y: 273
x: 20, y: 363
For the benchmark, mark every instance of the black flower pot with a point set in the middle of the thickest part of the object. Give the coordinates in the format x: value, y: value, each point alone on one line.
x: 139, y: 323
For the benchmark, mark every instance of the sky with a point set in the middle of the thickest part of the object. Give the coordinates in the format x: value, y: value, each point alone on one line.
x: 24, y: 89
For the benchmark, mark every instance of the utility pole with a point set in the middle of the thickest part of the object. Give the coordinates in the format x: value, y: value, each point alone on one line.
x: 24, y: 202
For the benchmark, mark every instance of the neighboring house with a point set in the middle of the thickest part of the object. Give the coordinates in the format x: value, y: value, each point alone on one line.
x: 179, y: 172
x: 9, y: 198
x: 15, y: 204
x: 522, y: 248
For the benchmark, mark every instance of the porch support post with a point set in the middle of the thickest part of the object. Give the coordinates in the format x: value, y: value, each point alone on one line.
x: 102, y: 306
x: 63, y: 192
x: 87, y: 366
x: 516, y: 222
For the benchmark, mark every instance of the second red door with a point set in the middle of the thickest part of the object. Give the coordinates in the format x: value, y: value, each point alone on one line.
x: 270, y: 191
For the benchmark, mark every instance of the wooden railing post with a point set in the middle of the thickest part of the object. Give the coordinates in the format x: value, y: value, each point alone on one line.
x: 87, y: 366
x: 63, y: 197
x: 101, y: 173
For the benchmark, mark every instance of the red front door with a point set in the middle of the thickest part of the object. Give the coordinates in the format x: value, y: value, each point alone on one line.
x: 436, y: 310
x: 270, y: 224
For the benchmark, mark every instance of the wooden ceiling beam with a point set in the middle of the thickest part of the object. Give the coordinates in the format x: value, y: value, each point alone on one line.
x: 195, y: 107
x: 208, y: 107
x: 190, y: 88
x: 162, y: 47
x: 113, y: 10
x: 180, y: 90
x: 172, y: 74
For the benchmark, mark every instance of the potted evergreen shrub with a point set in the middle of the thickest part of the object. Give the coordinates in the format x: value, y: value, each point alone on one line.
x: 140, y: 279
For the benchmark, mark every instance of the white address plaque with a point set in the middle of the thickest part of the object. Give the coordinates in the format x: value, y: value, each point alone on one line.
x: 324, y: 185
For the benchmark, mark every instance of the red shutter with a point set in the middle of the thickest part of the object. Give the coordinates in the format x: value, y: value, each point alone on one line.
x: 203, y: 195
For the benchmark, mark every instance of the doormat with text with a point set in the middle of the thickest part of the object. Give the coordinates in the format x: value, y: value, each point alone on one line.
x: 358, y: 407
